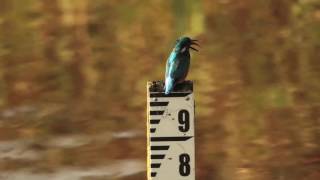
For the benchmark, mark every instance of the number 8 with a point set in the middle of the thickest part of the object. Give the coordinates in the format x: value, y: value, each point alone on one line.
x: 184, y: 167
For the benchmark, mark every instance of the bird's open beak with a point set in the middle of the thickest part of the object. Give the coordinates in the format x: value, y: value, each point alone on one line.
x: 194, y: 42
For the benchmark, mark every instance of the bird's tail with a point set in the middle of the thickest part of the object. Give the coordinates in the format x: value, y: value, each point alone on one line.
x: 168, y: 85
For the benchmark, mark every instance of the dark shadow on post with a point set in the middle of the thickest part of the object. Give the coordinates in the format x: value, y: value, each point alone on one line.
x: 158, y: 86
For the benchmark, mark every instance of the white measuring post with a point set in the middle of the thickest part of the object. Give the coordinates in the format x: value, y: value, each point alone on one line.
x: 170, y: 130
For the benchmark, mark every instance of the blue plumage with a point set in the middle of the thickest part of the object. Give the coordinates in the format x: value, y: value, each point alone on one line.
x: 178, y: 63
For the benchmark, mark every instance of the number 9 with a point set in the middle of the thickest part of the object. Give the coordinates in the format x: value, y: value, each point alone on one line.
x: 184, y: 120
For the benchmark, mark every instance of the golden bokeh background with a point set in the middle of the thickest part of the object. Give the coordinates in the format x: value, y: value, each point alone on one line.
x: 73, y: 79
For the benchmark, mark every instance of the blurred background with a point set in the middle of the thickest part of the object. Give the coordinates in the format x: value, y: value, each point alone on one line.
x: 73, y: 79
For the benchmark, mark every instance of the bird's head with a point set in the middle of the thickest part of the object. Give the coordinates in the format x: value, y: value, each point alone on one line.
x: 183, y: 44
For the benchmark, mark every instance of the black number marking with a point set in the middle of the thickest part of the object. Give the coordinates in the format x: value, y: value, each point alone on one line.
x: 184, y: 167
x: 184, y: 120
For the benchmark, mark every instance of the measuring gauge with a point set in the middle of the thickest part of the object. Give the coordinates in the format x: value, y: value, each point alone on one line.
x: 171, y: 148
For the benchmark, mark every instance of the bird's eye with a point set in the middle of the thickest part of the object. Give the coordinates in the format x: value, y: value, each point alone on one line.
x: 177, y: 40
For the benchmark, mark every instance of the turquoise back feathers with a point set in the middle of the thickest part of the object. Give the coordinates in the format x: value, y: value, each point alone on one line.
x: 178, y: 63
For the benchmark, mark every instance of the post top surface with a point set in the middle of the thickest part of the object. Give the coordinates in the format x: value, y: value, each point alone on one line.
x: 158, y: 86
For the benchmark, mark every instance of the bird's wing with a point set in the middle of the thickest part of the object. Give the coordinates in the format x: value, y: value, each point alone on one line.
x: 170, y: 62
x: 179, y: 68
x: 173, y: 69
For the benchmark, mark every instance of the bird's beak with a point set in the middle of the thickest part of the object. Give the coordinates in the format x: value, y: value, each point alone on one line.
x: 194, y: 42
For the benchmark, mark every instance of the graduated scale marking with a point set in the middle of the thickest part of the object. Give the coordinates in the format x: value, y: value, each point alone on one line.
x: 158, y: 113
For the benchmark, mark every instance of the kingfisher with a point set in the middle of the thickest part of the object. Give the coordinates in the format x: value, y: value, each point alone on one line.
x: 178, y: 63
